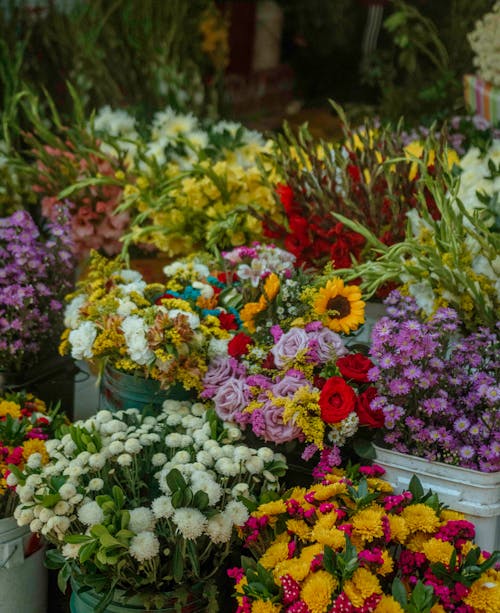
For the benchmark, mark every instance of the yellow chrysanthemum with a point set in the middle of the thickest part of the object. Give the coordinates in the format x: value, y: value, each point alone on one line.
x: 416, y: 541
x: 35, y: 445
x: 10, y: 408
x: 325, y: 492
x: 387, y: 604
x: 240, y: 585
x: 438, y: 551
x: 367, y: 524
x: 388, y: 565
x: 278, y: 552
x: 297, y: 569
x: 332, y: 537
x: 299, y: 528
x: 361, y: 586
x: 484, y: 595
x: 275, y: 507
x: 399, y: 529
x: 420, y: 517
x: 317, y: 591
x: 265, y: 606
x: 340, y: 307
x: 450, y: 515
x: 437, y: 608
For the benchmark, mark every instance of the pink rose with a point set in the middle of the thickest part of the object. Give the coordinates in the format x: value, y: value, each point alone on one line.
x: 327, y: 344
x: 289, y: 345
x: 274, y: 430
x: 230, y: 399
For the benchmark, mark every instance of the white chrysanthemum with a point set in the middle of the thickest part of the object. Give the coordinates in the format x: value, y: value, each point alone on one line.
x: 240, y: 489
x: 144, y: 546
x: 116, y: 447
x: 67, y: 491
x: 173, y: 440
x: 233, y: 433
x: 45, y: 515
x: 97, y: 460
x: 181, y: 457
x: 72, y: 312
x: 190, y: 422
x: 254, y: 465
x: 62, y: 508
x: 132, y: 445
x: 103, y: 416
x: 204, y: 458
x: 113, y: 426
x: 227, y: 467
x: 237, y: 512
x: 82, y: 458
x: 34, y: 480
x: 174, y: 420
x: 36, y: 526
x: 23, y: 516
x: 25, y: 493
x: 265, y: 454
x: 242, y: 453
x: 200, y: 438
x: 52, y: 445
x: 219, y: 528
x: 77, y: 498
x: 90, y: 514
x: 11, y: 480
x: 73, y: 471
x: 141, y: 519
x: 198, y: 409
x: 201, y: 481
x: 124, y: 459
x: 69, y: 448
x: 71, y: 550
x: 95, y: 485
x: 191, y: 523
x: 158, y: 459
x: 59, y: 525
x: 162, y: 507
x: 81, y: 340
x: 134, y: 330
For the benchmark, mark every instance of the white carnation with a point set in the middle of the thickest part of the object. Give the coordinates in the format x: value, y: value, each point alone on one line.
x: 192, y: 319
x: 81, y: 340
x: 134, y: 330
x: 72, y: 312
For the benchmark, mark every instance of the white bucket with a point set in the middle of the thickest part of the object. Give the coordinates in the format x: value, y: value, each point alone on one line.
x: 23, y: 581
x: 471, y: 492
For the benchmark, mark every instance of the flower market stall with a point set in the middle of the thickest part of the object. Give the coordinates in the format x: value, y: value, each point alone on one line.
x: 249, y: 370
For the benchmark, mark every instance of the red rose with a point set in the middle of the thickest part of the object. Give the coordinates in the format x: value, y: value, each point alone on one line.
x: 355, y: 367
x: 367, y: 416
x: 238, y: 345
x: 268, y: 363
x: 228, y: 321
x: 336, y: 400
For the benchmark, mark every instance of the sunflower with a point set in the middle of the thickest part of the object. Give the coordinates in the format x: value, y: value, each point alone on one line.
x: 340, y: 307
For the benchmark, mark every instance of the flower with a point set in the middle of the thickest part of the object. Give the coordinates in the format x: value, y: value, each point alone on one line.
x: 340, y: 307
x: 355, y: 366
x: 317, y: 590
x: 239, y: 345
x: 144, y: 546
x: 336, y: 400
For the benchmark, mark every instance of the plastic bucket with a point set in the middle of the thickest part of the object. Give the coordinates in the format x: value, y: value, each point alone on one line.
x: 471, y: 492
x: 23, y: 580
x: 86, y: 602
x: 120, y: 390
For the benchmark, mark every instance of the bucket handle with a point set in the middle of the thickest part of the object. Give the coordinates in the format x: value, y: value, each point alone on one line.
x: 11, y: 554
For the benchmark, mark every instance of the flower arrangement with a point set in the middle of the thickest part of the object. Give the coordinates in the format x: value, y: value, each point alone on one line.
x: 25, y: 425
x: 166, y: 332
x: 369, y: 177
x: 451, y: 260
x: 348, y: 544
x: 294, y: 379
x: 438, y: 392
x: 483, y: 41
x: 37, y: 271
x: 145, y: 504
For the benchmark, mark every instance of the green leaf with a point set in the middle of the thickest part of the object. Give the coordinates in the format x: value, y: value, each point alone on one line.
x: 77, y: 538
x: 416, y: 488
x: 364, y: 448
x: 329, y: 559
x: 178, y: 499
x: 87, y: 551
x: 175, y: 481
x: 201, y: 500
x: 54, y: 559
x: 178, y: 564
x: 118, y: 496
x: 63, y: 576
x: 50, y: 500
x: 399, y: 592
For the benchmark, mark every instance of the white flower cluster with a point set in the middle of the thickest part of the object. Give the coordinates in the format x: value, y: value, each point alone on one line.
x: 138, y: 453
x: 343, y: 430
x: 120, y: 126
x: 484, y: 43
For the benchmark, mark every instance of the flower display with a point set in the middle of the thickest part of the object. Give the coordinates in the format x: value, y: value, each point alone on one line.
x: 347, y: 544
x: 449, y: 261
x: 320, y: 184
x: 294, y: 379
x: 483, y: 41
x: 25, y: 425
x: 144, y: 503
x: 167, y: 332
x: 439, y: 392
x: 36, y: 273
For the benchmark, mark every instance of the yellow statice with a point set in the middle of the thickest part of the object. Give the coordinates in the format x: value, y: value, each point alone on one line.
x: 304, y: 410
x: 317, y: 591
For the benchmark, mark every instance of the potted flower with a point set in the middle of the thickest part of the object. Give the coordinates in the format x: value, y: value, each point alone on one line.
x: 438, y: 391
x: 348, y: 544
x: 25, y: 425
x: 148, y: 341
x: 292, y: 381
x: 142, y: 509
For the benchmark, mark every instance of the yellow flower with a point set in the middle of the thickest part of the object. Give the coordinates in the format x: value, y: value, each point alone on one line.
x: 361, y: 586
x: 277, y: 552
x: 248, y: 313
x: 399, y: 529
x: 417, y: 540
x: 437, y: 608
x: 340, y: 306
x: 420, y: 517
x: 8, y: 407
x: 333, y: 537
x: 388, y: 564
x: 297, y: 569
x: 317, y: 591
x: 299, y: 528
x: 271, y: 286
x: 438, y: 551
x: 265, y: 606
x: 35, y: 445
x: 367, y: 523
x: 449, y: 514
x: 484, y: 595
x: 387, y: 604
x: 275, y: 507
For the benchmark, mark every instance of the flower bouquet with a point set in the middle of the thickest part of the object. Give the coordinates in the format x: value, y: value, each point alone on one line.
x: 145, y: 506
x: 165, y: 332
x: 37, y: 271
x: 370, y: 178
x: 294, y: 379
x: 347, y: 544
x: 438, y: 390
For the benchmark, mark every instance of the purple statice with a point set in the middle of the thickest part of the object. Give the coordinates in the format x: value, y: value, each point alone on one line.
x: 438, y: 389
x: 37, y: 272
